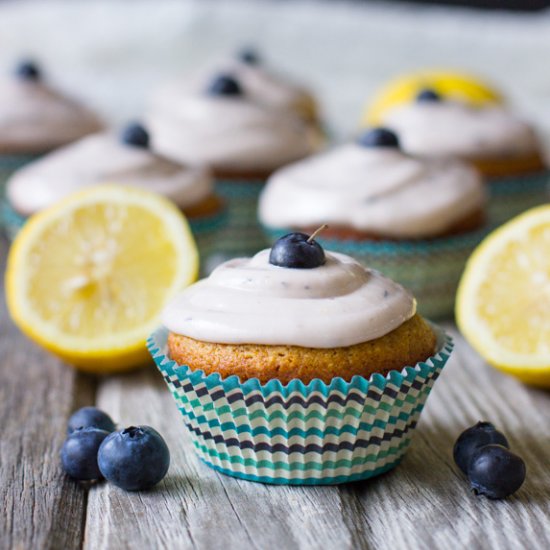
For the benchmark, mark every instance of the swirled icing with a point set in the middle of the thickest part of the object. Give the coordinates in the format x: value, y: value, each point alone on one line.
x: 377, y: 190
x: 250, y: 301
x: 35, y: 118
x: 103, y: 158
x: 439, y: 128
x: 231, y: 134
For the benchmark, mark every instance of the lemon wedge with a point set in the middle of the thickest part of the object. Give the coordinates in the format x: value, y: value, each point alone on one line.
x: 503, y: 301
x: 450, y: 84
x: 88, y: 278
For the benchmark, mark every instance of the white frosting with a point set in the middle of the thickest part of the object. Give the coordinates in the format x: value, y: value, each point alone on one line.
x: 260, y: 84
x: 451, y: 128
x: 102, y: 158
x: 35, y: 118
x: 374, y: 190
x: 234, y: 134
x: 250, y: 301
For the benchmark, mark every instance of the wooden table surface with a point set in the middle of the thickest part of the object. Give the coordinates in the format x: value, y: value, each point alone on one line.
x: 424, y: 503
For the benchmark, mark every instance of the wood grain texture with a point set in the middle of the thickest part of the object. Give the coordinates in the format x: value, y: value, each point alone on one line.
x: 41, y: 507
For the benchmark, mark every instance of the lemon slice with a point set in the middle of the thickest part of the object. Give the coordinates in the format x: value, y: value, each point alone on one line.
x: 450, y: 84
x: 503, y: 302
x: 88, y: 278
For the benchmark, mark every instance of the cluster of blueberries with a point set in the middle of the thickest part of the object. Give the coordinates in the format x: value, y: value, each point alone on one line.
x: 134, y: 459
x: 482, y: 453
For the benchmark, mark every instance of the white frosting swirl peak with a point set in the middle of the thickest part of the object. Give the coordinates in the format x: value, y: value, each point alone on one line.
x: 103, y: 158
x: 445, y: 128
x: 376, y: 190
x: 250, y: 301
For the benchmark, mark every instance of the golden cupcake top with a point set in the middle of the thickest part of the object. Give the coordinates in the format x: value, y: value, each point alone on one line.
x: 293, y: 294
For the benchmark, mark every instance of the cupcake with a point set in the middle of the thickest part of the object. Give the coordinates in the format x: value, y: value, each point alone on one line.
x: 414, y: 219
x: 298, y: 366
x: 216, y: 122
x: 124, y: 159
x: 503, y: 147
x: 36, y: 118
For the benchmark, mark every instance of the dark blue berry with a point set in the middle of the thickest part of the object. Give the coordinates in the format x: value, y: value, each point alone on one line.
x: 224, y: 84
x: 136, y: 135
x: 483, y: 433
x: 378, y: 137
x: 90, y: 417
x: 28, y: 70
x: 496, y: 472
x: 249, y: 56
x: 135, y: 458
x: 79, y: 453
x: 297, y: 250
x: 428, y: 95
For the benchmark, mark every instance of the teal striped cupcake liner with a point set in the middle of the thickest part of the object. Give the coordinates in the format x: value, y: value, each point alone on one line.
x: 298, y: 434
x: 429, y: 268
x: 511, y: 196
x: 243, y: 235
x: 8, y: 165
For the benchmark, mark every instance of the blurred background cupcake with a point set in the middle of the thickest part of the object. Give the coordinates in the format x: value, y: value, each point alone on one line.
x: 36, y: 118
x: 414, y: 219
x: 504, y: 148
x: 124, y: 159
x: 215, y: 120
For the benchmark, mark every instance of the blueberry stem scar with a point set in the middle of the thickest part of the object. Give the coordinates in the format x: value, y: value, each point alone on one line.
x: 316, y: 232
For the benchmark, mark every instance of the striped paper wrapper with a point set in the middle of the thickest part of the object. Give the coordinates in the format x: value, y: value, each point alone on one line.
x: 429, y: 268
x: 243, y: 235
x: 297, y: 434
x: 8, y: 165
x: 511, y: 196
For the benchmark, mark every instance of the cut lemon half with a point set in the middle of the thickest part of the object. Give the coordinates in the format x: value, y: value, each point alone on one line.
x: 88, y: 278
x: 449, y: 84
x: 503, y: 301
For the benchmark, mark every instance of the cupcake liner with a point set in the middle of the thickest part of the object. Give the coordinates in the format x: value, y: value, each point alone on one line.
x: 8, y: 165
x: 429, y: 268
x: 243, y: 235
x: 511, y: 196
x: 298, y: 434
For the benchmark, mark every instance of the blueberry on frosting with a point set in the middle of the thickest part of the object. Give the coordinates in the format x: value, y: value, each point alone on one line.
x: 136, y: 135
x: 297, y: 250
x: 249, y: 56
x: 378, y: 137
x: 428, y: 95
x: 224, y: 84
x: 27, y: 70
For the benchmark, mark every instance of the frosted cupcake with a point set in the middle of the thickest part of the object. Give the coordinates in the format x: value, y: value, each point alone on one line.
x: 36, y: 118
x: 124, y: 159
x: 414, y: 219
x: 503, y: 147
x: 298, y: 366
x: 217, y: 123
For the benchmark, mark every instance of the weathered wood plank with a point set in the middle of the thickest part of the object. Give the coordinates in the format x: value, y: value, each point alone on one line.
x: 41, y: 508
x: 425, y: 503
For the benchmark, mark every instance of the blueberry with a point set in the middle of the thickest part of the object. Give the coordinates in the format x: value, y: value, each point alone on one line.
x: 135, y: 134
x: 428, y: 95
x: 224, y: 84
x: 249, y: 56
x: 135, y: 458
x: 297, y: 250
x: 378, y: 137
x: 90, y: 417
x: 483, y: 433
x: 79, y: 453
x: 495, y: 471
x: 28, y: 70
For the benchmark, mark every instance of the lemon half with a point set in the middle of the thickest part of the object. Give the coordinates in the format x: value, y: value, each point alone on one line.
x: 503, y: 301
x: 88, y: 278
x: 455, y: 85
